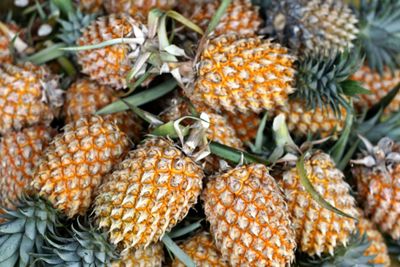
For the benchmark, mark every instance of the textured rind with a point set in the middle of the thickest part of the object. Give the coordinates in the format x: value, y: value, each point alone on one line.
x: 75, y: 162
x: 241, y: 17
x: 243, y: 74
x: 245, y: 124
x: 249, y: 217
x: 91, y: 6
x: 23, y: 96
x: 379, y: 86
x: 151, y: 256
x: 302, y: 121
x: 20, y: 153
x: 148, y: 194
x: 85, y: 97
x: 202, y: 250
x: 134, y: 7
x: 319, y: 230
x: 110, y: 65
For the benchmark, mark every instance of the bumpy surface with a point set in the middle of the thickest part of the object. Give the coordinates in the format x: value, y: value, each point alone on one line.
x: 249, y: 218
x: 20, y: 153
x: 76, y: 161
x: 5, y: 55
x: 202, y: 250
x: 148, y: 194
x: 151, y: 256
x: 379, y: 86
x: 26, y: 96
x: 244, y: 124
x: 318, y: 122
x: 243, y: 74
x: 134, y: 7
x: 110, y: 65
x: 241, y: 17
x: 85, y: 97
x: 319, y: 230
x: 90, y: 6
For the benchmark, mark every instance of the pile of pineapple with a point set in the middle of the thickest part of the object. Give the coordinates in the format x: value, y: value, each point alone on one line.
x: 199, y: 133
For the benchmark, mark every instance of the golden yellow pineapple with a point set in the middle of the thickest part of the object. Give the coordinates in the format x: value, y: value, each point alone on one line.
x: 74, y: 164
x: 245, y: 124
x: 148, y: 194
x: 151, y: 256
x: 110, y: 65
x: 20, y: 152
x: 202, y: 250
x: 379, y: 86
x: 249, y: 219
x: 28, y: 96
x: 243, y: 75
x: 377, y: 173
x: 134, y: 7
x: 85, y: 97
x: 241, y: 17
x: 319, y: 230
x: 90, y: 6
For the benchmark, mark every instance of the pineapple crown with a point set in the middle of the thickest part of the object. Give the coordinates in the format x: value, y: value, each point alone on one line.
x: 71, y: 28
x: 24, y: 230
x: 379, y: 23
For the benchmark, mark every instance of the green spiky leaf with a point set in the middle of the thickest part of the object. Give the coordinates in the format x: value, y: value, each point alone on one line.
x: 352, y: 88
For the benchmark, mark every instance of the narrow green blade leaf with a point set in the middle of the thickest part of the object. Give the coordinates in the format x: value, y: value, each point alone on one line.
x: 234, y: 155
x: 168, y: 129
x: 185, y: 21
x: 346, y: 158
x: 10, y: 247
x: 218, y: 15
x: 185, y: 230
x: 260, y: 133
x: 64, y: 5
x: 338, y: 149
x: 147, y: 116
x: 182, y: 256
x: 12, y: 227
x: 352, y: 88
x: 47, y: 54
x: 384, y: 102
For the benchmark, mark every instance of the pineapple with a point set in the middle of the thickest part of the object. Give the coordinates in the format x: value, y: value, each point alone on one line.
x: 110, y: 65
x: 19, y: 154
x: 85, y: 97
x: 319, y: 230
x: 241, y: 17
x: 202, y: 250
x: 151, y: 256
x: 377, y: 173
x: 148, y: 194
x: 90, y: 6
x: 74, y: 164
x: 28, y: 96
x: 5, y: 40
x: 310, y: 26
x: 134, y: 7
x: 249, y: 219
x: 245, y: 124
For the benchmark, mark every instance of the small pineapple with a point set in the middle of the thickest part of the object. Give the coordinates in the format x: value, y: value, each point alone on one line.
x: 377, y: 174
x: 249, y: 219
x: 28, y: 96
x: 19, y: 156
x: 148, y: 194
x: 85, y: 97
x: 151, y: 256
x: 319, y: 230
x: 134, y: 7
x: 202, y: 250
x: 74, y: 164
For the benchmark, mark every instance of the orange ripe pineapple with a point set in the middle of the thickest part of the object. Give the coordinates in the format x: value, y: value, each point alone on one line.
x: 85, y: 97
x: 148, y: 194
x: 249, y: 218
x: 134, y: 7
x: 151, y: 256
x: 74, y: 164
x: 245, y: 124
x: 28, y: 96
x: 379, y: 86
x: 19, y: 155
x: 319, y: 230
x: 202, y: 250
x: 110, y: 65
x: 91, y: 6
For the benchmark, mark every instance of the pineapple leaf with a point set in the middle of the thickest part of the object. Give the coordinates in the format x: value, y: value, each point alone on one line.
x: 352, y: 88
x: 179, y: 253
x: 185, y: 230
x: 384, y: 102
x: 179, y: 17
x: 47, y: 54
x: 234, y: 155
x: 217, y: 16
x: 260, y: 134
x: 147, y: 116
x: 338, y: 149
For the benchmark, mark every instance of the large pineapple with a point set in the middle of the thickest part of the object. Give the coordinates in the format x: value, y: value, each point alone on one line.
x: 245, y: 124
x: 377, y: 172
x: 19, y: 155
x: 151, y: 256
x: 85, y: 97
x: 319, y: 230
x: 249, y: 218
x: 74, y: 164
x: 134, y: 7
x: 202, y: 250
x: 148, y: 194
x: 28, y: 96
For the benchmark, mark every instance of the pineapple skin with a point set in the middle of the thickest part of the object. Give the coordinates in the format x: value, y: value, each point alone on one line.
x: 76, y: 161
x: 20, y: 153
x: 245, y: 124
x: 249, y: 218
x: 151, y: 256
x: 85, y: 97
x: 5, y: 41
x: 91, y: 6
x: 134, y: 7
x: 28, y: 96
x: 243, y: 75
x: 148, y: 194
x: 319, y: 230
x: 202, y: 250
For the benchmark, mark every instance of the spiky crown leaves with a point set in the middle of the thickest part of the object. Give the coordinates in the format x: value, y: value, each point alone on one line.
x: 322, y: 80
x: 25, y: 229
x: 380, y: 32
x: 71, y: 29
